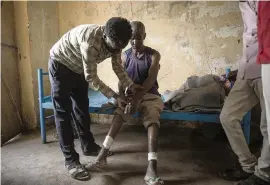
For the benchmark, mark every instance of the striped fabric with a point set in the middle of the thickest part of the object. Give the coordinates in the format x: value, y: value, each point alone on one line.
x: 81, y: 49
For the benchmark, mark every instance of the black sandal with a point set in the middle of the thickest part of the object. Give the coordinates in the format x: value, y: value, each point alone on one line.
x: 153, y: 181
x: 78, y: 172
x: 234, y: 174
x: 253, y: 180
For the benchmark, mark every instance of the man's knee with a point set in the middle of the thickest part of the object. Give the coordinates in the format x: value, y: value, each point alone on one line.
x: 119, y: 114
x: 151, y: 116
x: 229, y: 120
x: 153, y: 125
x: 225, y: 118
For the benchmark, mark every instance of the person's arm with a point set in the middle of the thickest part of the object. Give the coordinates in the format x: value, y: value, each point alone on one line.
x: 152, y: 75
x: 120, y: 87
x: 89, y: 55
x: 120, y: 71
x: 122, y: 74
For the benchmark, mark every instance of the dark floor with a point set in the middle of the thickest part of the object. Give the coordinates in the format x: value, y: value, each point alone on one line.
x: 186, y: 156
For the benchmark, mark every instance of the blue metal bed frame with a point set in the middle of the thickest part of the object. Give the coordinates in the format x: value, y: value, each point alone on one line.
x: 96, y: 99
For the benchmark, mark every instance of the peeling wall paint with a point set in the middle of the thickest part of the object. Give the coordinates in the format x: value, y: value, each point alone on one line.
x: 192, y: 37
x: 227, y: 31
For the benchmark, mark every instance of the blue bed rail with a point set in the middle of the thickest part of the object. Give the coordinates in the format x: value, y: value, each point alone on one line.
x: 96, y: 99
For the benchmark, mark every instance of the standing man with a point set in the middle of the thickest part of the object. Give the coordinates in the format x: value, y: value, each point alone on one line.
x: 142, y: 65
x: 245, y: 94
x: 264, y: 53
x: 72, y: 66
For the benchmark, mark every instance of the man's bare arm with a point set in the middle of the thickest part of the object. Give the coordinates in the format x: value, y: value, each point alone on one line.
x: 120, y: 71
x: 152, y: 74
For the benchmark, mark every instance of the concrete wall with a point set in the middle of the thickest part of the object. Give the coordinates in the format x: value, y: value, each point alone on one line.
x: 192, y: 37
x: 36, y: 31
x: 25, y: 66
x: 10, y: 96
x: 43, y: 32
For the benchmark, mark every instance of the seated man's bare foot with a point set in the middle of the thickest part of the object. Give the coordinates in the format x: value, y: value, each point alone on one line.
x: 96, y: 165
x: 151, y: 177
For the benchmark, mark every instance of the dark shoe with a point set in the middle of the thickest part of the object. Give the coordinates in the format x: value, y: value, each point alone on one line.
x: 95, y: 152
x: 253, y: 180
x: 78, y: 172
x: 235, y: 174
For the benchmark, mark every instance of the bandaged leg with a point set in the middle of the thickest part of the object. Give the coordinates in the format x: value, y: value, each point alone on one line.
x: 151, y: 176
x: 115, y: 127
x: 151, y: 107
x: 101, y: 159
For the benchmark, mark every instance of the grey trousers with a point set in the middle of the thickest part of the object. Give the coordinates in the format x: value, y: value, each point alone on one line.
x: 244, y: 95
x: 266, y: 93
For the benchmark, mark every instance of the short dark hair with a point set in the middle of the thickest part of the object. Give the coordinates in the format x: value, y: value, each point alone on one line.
x: 138, y: 26
x: 118, y: 28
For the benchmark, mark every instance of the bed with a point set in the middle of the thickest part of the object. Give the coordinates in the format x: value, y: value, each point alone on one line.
x: 97, y: 99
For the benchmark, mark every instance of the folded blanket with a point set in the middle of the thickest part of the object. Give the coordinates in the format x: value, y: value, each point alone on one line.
x: 196, y: 93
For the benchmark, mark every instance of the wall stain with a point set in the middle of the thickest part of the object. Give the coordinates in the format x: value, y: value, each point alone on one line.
x: 238, y: 41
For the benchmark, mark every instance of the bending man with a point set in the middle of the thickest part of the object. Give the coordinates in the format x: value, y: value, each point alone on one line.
x: 72, y: 65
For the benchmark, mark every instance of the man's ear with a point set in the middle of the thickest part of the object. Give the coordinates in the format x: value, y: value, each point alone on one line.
x: 144, y: 36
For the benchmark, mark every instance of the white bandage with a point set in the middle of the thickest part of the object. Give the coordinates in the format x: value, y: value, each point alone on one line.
x: 152, y: 156
x: 108, y: 142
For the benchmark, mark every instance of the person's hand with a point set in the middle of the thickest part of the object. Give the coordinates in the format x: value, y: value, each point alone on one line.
x: 135, y: 102
x: 121, y: 102
x: 232, y: 76
x: 136, y: 88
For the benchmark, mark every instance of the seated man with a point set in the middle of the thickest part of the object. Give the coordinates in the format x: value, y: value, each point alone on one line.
x: 142, y: 65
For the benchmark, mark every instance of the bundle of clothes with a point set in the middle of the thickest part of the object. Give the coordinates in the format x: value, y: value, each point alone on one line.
x: 198, y: 94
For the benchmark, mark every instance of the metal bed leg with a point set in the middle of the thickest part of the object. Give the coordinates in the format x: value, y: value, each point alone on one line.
x: 246, y: 126
x: 41, y: 111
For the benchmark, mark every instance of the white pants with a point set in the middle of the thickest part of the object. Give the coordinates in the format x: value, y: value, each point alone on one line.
x: 266, y: 93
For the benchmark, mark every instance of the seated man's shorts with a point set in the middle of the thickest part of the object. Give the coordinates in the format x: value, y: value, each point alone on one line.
x: 150, y: 108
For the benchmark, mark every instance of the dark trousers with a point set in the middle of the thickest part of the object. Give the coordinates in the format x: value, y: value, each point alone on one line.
x: 69, y: 93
